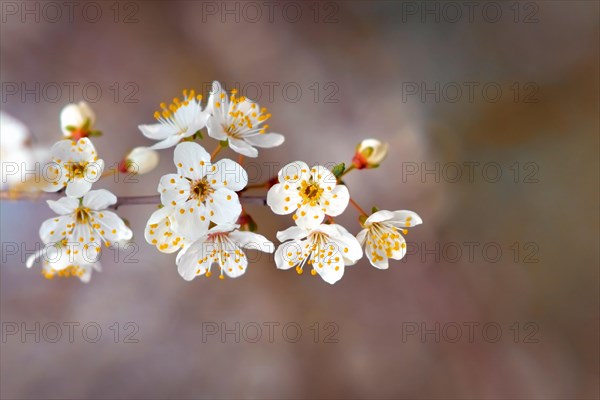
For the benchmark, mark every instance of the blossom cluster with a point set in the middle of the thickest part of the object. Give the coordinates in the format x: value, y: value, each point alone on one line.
x: 73, y: 239
x: 200, y: 216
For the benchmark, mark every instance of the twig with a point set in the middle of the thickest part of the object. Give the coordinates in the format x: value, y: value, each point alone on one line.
x: 122, y: 201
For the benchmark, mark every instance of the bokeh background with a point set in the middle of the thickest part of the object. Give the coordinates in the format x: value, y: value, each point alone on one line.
x: 354, y: 62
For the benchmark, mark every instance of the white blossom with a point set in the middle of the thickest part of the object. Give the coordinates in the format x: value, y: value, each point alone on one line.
x: 239, y: 121
x: 381, y: 236
x: 177, y: 121
x: 200, y: 191
x: 62, y: 260
x: 85, y: 222
x: 222, y: 245
x: 327, y: 248
x: 75, y: 165
x: 311, y: 192
x: 17, y: 157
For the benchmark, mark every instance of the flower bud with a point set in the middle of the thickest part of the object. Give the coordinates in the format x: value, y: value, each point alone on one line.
x: 140, y: 160
x: 246, y: 222
x: 369, y: 153
x: 77, y: 120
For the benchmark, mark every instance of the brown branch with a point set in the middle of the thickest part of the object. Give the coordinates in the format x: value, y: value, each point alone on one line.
x: 121, y: 201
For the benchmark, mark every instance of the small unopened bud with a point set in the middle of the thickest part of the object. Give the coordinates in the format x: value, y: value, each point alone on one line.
x: 369, y: 153
x: 140, y: 160
x: 77, y: 121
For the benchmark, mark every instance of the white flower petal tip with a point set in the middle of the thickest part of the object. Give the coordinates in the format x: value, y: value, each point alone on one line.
x: 139, y: 160
x: 222, y: 246
x: 328, y: 249
x: 311, y: 193
x: 177, y: 121
x: 383, y: 237
x: 240, y: 121
x: 370, y: 153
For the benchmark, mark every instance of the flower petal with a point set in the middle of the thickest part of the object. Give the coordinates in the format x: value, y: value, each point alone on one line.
x: 379, y: 216
x: 399, y: 249
x: 309, y: 217
x: 229, y: 174
x: 112, y: 228
x: 64, y: 205
x: 81, y: 235
x: 159, y: 232
x: 323, y: 176
x: 337, y: 201
x: 362, y: 236
x: 78, y: 187
x: 166, y: 143
x: 243, y: 148
x: 292, y: 233
x: 63, y: 150
x: 99, y: 199
x: 266, y: 140
x: 290, y: 254
x: 215, y: 128
x: 192, y: 262
x: 350, y: 248
x: 405, y: 219
x: 377, y: 258
x: 331, y: 271
x: 157, y: 131
x: 251, y: 240
x: 281, y: 200
x: 224, y: 206
x: 55, y: 229
x: 191, y: 220
x: 294, y: 173
x: 87, y: 271
x: 235, y: 265
x: 218, y: 102
x: 191, y: 160
x: 174, y: 190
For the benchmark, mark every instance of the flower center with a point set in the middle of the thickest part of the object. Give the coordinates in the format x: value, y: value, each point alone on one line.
x: 384, y: 238
x: 71, y: 270
x: 82, y: 215
x: 310, y: 192
x: 201, y: 189
x: 76, y: 169
x: 247, y: 119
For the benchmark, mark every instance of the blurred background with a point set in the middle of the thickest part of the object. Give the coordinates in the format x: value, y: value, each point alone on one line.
x: 491, y: 112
